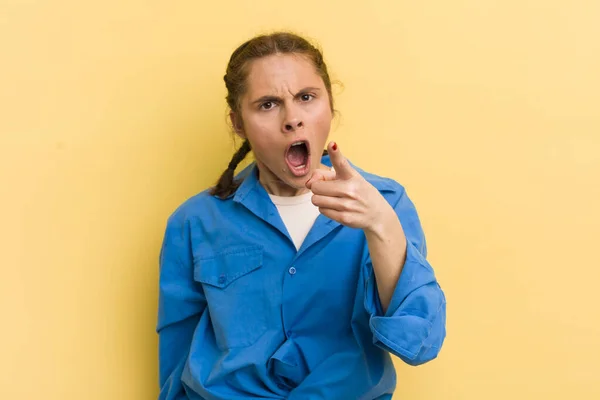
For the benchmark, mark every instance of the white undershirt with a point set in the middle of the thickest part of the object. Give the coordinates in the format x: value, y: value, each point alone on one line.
x: 298, y: 214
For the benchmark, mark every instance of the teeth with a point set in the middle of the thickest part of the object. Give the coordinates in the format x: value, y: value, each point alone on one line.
x: 297, y: 144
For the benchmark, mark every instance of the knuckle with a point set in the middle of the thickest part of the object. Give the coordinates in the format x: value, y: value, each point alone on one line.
x: 347, y: 204
x: 346, y: 218
x: 352, y: 191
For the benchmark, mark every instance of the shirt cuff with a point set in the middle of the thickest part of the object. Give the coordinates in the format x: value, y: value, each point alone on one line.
x: 415, y: 304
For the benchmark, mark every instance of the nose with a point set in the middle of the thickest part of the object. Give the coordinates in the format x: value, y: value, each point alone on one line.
x: 292, y: 122
x: 293, y: 125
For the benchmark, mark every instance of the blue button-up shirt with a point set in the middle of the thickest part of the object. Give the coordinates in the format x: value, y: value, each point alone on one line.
x: 244, y: 315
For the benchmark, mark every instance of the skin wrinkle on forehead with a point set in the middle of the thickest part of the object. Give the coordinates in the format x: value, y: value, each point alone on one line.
x: 280, y: 68
x: 285, y: 87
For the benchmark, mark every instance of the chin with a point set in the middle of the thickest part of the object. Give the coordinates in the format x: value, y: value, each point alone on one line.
x: 297, y: 182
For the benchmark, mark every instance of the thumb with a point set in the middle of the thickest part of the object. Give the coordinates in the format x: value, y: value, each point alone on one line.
x: 341, y: 165
x: 320, y: 175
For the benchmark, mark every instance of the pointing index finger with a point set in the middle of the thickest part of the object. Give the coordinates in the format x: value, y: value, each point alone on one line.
x: 341, y: 165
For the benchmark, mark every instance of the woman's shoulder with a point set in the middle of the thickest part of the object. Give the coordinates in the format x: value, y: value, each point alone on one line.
x: 205, y: 203
x: 193, y: 207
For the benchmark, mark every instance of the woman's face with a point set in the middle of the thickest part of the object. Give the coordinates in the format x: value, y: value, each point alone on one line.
x: 286, y: 116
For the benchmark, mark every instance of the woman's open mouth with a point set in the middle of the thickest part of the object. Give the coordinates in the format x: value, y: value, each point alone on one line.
x: 297, y: 157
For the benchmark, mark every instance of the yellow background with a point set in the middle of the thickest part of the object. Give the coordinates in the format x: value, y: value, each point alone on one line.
x: 112, y: 113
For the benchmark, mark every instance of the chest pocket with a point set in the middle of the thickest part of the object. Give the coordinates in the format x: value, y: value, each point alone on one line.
x: 237, y: 301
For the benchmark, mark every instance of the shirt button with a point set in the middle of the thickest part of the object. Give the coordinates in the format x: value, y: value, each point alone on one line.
x: 292, y: 270
x: 222, y: 279
x: 289, y: 333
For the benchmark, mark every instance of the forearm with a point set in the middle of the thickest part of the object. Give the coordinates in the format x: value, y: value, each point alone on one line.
x: 387, y: 247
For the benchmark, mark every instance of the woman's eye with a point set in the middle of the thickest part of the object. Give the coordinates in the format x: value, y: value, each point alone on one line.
x: 267, y: 105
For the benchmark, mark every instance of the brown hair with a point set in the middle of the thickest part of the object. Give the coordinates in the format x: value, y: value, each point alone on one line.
x: 235, y: 81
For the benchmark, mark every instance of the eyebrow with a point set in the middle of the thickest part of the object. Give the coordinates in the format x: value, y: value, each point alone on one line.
x: 267, y: 98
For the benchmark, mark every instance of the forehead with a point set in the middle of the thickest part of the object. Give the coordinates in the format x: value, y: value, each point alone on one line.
x: 281, y: 72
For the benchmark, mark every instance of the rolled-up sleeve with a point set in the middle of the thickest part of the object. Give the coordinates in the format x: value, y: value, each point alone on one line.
x: 414, y: 325
x: 181, y: 302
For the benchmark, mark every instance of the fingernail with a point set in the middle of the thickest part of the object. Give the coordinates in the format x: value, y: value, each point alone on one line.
x: 334, y: 147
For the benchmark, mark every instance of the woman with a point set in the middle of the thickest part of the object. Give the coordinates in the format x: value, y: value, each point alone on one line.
x: 299, y: 277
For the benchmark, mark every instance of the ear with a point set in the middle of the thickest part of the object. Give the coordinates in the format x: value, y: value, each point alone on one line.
x: 236, y: 122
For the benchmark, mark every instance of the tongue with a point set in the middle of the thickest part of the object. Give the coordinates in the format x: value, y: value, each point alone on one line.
x: 297, y: 155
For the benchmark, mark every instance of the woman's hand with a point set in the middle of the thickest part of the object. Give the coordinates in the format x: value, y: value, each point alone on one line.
x: 346, y: 197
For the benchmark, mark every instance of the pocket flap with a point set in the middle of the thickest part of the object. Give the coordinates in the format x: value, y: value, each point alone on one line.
x: 227, y: 266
